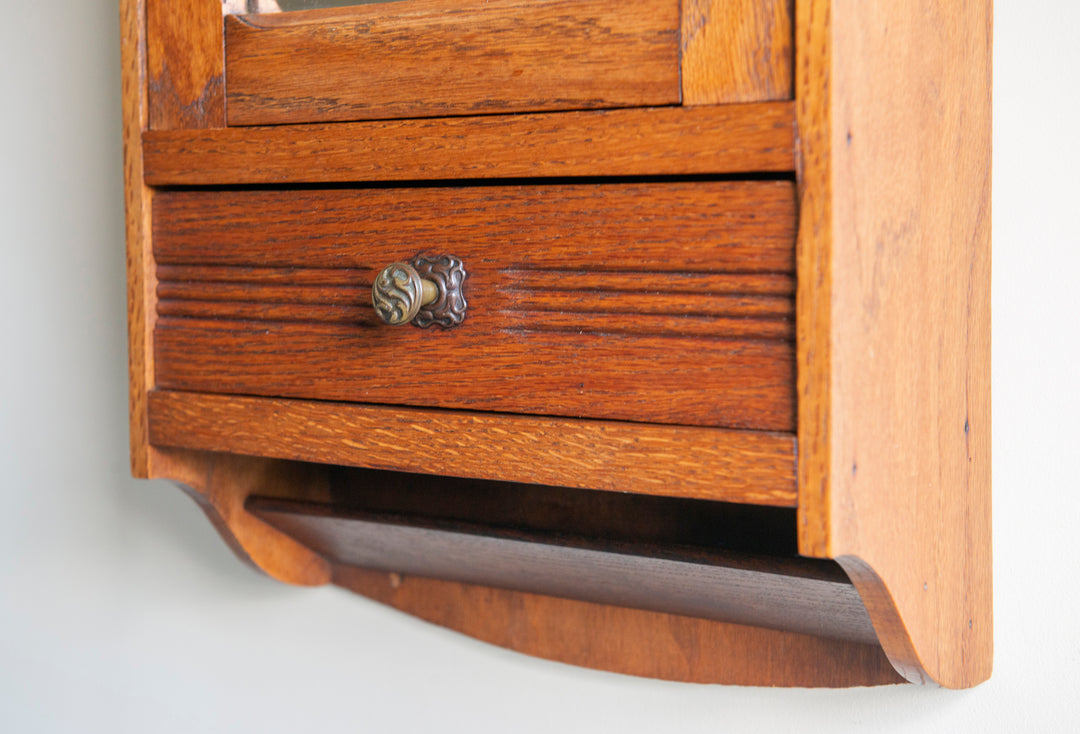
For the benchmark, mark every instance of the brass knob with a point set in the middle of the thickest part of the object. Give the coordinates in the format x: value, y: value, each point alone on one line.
x: 423, y: 291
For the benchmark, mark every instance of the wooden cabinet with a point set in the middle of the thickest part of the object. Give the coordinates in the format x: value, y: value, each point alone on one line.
x: 719, y: 406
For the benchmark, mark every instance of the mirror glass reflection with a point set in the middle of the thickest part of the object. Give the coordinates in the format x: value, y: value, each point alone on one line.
x: 241, y: 7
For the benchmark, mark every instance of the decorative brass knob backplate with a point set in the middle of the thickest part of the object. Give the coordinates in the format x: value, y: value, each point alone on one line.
x: 423, y: 291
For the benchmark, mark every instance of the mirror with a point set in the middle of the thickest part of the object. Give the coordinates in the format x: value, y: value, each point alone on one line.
x: 241, y: 7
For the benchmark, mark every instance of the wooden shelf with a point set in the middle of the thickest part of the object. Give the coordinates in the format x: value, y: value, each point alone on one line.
x: 714, y: 560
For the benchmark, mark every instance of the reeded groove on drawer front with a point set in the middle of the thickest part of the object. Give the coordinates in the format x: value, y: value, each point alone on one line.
x: 432, y: 58
x: 663, y: 141
x: 749, y: 467
x: 661, y: 302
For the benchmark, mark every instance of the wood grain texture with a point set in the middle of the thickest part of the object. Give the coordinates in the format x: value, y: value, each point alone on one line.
x: 632, y: 142
x: 185, y: 53
x: 605, y: 236
x: 611, y: 638
x: 736, y: 51
x: 221, y: 483
x: 814, y: 251
x: 673, y: 461
x: 433, y: 58
x: 680, y: 380
x: 655, y: 350
x: 141, y: 283
x: 783, y: 594
x: 629, y: 641
x: 908, y: 411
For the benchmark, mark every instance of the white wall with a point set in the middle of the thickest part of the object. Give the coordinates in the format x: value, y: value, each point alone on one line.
x: 121, y: 611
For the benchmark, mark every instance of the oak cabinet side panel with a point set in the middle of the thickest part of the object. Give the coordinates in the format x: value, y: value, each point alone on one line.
x: 908, y: 240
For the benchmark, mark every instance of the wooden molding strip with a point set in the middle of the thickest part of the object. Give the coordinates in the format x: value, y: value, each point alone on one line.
x: 632, y: 142
x: 675, y: 461
x: 813, y: 254
x: 141, y: 284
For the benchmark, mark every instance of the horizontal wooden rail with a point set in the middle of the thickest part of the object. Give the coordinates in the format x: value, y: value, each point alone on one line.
x: 674, y: 461
x: 658, y: 141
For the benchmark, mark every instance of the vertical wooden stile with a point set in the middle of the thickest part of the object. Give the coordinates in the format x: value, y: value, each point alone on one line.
x: 894, y: 320
x: 736, y: 51
x: 137, y: 200
x: 185, y: 60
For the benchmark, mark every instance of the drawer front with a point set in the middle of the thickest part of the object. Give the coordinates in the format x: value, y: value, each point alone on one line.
x: 660, y: 302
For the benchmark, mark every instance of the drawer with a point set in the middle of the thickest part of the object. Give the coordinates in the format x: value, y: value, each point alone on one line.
x: 663, y: 302
x: 433, y: 58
